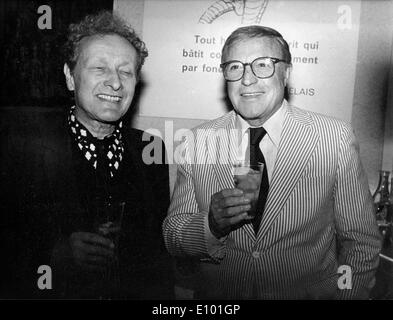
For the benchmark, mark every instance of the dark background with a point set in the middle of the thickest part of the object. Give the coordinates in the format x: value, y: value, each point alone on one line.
x: 33, y: 93
x: 31, y: 70
x: 33, y: 102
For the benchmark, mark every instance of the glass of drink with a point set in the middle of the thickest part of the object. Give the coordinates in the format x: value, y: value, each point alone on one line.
x: 108, y: 220
x: 248, y: 178
x: 107, y: 223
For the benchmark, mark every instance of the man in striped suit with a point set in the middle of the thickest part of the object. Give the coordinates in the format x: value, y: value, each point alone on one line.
x: 315, y: 225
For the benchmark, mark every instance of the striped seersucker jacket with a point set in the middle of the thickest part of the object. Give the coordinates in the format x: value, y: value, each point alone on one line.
x: 318, y: 215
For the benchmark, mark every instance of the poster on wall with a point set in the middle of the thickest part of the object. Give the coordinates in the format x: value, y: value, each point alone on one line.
x: 182, y: 75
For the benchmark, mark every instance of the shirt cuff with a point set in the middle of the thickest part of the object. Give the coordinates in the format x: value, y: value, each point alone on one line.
x: 215, y: 247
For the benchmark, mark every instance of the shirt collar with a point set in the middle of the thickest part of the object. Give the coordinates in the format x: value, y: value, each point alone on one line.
x: 273, y: 125
x: 88, y: 144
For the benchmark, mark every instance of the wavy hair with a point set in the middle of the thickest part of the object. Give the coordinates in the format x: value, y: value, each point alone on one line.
x: 256, y: 31
x: 101, y: 24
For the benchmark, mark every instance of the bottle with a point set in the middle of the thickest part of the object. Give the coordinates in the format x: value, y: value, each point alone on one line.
x: 382, y: 190
x: 389, y: 217
x: 382, y: 204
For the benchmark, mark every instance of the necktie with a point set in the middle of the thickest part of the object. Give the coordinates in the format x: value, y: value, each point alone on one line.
x: 256, y: 155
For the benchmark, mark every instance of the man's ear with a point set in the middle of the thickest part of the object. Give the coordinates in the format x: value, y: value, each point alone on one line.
x: 288, y: 71
x: 69, y: 77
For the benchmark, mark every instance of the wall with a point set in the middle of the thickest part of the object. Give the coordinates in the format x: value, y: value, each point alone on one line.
x: 370, y: 87
x: 388, y: 140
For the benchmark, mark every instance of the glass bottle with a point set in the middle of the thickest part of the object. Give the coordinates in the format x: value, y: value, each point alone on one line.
x: 389, y: 217
x: 382, y: 191
x: 382, y: 203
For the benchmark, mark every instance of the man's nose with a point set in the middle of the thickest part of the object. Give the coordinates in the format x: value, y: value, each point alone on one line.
x: 249, y: 77
x: 113, y: 80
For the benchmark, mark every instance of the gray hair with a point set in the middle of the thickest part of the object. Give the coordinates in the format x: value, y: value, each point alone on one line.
x: 256, y: 31
x: 103, y: 23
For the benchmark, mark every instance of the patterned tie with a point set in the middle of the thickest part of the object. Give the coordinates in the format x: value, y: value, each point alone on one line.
x: 256, y: 155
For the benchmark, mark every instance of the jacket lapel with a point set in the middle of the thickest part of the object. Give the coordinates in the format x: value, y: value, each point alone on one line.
x: 297, y: 143
x: 222, y: 150
x: 225, y: 152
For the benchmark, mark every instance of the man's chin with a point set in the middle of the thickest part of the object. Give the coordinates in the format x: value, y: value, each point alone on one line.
x: 111, y: 114
x: 249, y: 116
x: 111, y: 117
x: 252, y: 119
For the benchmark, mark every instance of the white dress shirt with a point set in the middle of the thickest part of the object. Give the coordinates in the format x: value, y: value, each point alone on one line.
x: 270, y: 142
x: 269, y: 147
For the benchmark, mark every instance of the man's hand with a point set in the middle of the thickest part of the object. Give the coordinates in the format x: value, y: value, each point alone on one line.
x: 90, y: 251
x: 228, y: 208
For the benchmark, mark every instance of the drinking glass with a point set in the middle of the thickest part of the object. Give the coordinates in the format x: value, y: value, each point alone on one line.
x: 108, y: 220
x: 109, y: 216
x: 248, y: 178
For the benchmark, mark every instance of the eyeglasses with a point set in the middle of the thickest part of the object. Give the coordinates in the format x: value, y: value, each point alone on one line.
x: 263, y: 67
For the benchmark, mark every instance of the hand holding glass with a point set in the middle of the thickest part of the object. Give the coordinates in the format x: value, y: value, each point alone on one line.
x: 109, y: 219
x: 248, y: 178
x: 108, y: 224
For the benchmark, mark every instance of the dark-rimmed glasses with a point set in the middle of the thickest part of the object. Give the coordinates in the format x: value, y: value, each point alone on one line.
x: 262, y: 68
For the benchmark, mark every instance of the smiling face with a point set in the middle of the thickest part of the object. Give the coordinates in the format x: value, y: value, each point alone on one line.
x: 103, y: 79
x: 256, y: 100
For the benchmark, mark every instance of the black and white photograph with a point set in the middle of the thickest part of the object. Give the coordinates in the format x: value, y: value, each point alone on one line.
x: 189, y: 151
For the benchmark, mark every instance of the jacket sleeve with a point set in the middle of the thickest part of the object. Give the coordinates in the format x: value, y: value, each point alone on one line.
x: 185, y: 228
x: 358, y: 237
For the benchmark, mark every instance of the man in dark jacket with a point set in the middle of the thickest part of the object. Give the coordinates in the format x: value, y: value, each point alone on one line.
x: 81, y: 200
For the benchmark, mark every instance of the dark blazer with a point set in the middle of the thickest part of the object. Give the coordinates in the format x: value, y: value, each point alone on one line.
x: 46, y: 195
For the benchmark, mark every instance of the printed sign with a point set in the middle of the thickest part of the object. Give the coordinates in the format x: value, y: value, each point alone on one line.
x: 182, y: 75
